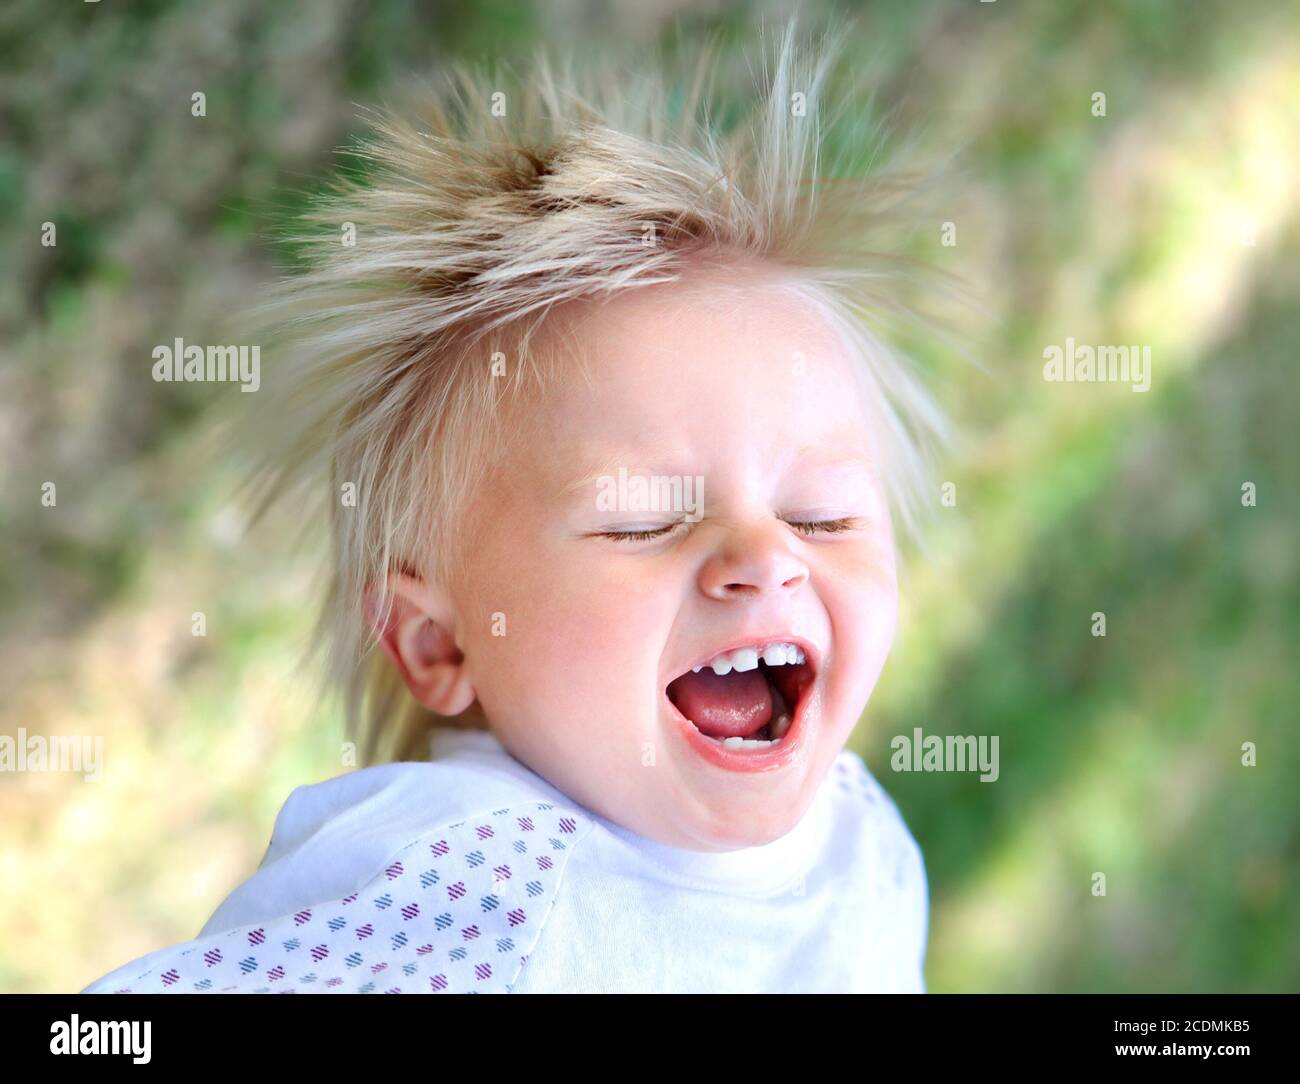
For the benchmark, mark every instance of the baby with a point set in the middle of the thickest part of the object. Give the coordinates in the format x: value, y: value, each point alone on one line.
x: 613, y: 462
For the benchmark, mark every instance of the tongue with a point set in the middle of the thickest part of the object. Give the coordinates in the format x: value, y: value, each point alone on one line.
x: 735, y: 705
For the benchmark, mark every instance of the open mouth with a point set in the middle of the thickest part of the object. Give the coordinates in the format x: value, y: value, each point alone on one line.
x: 746, y: 698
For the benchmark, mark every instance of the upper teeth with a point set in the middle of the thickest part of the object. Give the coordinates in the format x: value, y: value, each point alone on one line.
x: 746, y: 658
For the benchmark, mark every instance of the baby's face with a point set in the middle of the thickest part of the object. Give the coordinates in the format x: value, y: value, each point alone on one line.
x: 584, y: 614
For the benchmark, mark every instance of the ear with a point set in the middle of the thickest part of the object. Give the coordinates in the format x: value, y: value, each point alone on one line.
x: 418, y: 634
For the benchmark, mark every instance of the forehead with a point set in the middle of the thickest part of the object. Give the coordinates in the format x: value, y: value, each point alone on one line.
x: 705, y: 366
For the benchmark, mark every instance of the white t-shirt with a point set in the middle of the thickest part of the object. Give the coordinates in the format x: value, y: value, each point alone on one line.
x: 471, y: 873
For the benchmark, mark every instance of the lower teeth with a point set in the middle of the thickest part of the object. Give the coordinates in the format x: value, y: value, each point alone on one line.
x: 748, y: 743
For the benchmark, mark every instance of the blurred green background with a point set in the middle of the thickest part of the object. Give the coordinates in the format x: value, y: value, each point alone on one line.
x: 1172, y: 221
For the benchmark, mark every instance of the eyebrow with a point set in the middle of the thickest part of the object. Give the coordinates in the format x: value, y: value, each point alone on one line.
x: 616, y: 460
x: 612, y: 462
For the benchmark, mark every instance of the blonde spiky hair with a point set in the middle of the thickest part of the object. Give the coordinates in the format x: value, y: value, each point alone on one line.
x: 505, y: 196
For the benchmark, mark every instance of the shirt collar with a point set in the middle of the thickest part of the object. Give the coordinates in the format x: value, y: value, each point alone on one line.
x: 779, y: 865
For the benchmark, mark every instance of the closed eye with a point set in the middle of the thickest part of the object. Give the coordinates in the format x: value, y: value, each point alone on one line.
x: 638, y: 536
x: 822, y: 526
x: 804, y: 527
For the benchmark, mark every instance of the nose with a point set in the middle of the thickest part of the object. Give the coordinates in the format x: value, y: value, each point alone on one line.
x: 753, y: 564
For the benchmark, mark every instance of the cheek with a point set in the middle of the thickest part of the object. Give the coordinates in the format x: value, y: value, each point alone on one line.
x: 578, y: 646
x: 862, y: 597
x: 868, y: 616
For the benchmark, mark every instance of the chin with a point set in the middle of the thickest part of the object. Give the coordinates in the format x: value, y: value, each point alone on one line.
x: 739, y: 826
